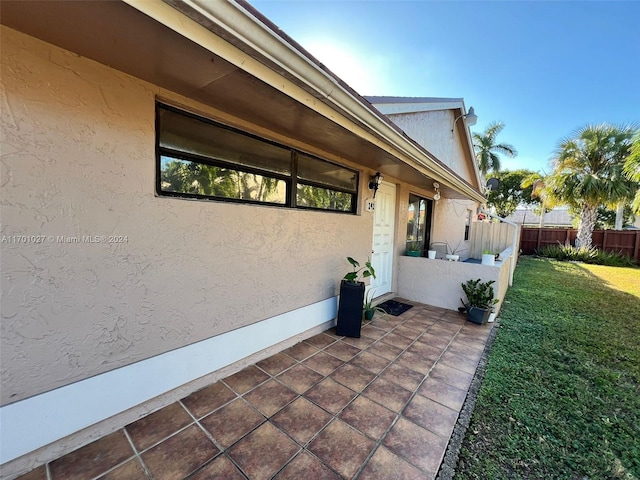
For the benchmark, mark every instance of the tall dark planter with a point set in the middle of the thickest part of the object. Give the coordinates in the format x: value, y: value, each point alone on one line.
x: 350, y: 309
x: 478, y: 315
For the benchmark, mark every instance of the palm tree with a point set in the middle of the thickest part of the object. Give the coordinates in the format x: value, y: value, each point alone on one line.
x: 632, y: 169
x: 541, y: 195
x: 588, y: 172
x: 488, y: 150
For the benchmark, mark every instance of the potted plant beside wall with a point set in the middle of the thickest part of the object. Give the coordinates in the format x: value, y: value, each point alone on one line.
x: 480, y: 300
x: 414, y: 249
x: 351, y: 302
x: 453, y: 254
x: 369, y: 309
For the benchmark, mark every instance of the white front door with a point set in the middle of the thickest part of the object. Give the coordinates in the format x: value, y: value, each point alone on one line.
x: 383, y: 232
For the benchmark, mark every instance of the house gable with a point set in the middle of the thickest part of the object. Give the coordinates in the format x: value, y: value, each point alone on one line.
x: 436, y: 124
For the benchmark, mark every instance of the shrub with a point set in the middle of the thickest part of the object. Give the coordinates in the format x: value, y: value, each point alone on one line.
x: 479, y: 294
x: 590, y: 255
x: 615, y: 259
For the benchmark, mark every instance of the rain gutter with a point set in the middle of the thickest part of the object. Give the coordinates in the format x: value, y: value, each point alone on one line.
x: 214, y: 24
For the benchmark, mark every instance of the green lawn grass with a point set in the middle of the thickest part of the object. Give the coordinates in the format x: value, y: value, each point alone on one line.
x: 561, y: 394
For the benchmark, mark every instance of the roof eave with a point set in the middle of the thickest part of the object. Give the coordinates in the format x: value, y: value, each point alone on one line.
x: 276, y: 52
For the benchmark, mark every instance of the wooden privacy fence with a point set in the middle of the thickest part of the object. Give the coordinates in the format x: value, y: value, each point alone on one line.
x: 491, y: 236
x: 619, y: 241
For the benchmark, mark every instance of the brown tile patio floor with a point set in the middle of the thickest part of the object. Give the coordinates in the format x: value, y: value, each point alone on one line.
x: 382, y: 406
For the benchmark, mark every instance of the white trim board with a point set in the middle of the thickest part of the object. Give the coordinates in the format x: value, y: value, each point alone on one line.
x: 40, y: 420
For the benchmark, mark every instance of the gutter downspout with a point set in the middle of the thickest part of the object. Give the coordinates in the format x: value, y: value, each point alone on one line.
x: 513, y: 245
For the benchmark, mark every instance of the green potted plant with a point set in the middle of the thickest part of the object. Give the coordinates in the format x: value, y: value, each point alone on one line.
x: 414, y: 248
x: 369, y: 309
x: 351, y: 302
x: 480, y: 300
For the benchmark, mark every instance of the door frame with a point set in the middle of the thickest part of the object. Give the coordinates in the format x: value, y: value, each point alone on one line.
x: 392, y: 252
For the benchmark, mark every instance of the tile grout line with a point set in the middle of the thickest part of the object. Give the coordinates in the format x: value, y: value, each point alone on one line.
x: 173, y: 434
x: 398, y: 415
x: 197, y: 422
x: 336, y: 416
x: 380, y: 442
x: 301, y: 447
x: 414, y: 393
x: 223, y: 450
x: 136, y: 454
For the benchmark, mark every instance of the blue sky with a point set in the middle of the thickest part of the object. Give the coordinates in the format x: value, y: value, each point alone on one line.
x: 544, y: 68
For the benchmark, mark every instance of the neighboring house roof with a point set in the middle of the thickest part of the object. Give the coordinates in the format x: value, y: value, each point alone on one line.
x: 415, y: 104
x: 227, y: 55
x: 558, y: 217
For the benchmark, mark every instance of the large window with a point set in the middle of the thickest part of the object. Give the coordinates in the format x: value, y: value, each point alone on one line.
x: 198, y: 158
x: 418, y: 223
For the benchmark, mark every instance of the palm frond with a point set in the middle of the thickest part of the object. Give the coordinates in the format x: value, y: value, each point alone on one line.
x: 487, y: 150
x: 506, y: 149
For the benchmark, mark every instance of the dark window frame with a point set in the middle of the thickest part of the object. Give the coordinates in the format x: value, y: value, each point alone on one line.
x: 428, y: 220
x: 195, y: 159
x: 467, y: 225
x: 291, y: 180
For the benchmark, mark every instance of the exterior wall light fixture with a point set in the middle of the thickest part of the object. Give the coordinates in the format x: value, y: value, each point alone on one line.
x: 470, y: 118
x: 375, y: 182
x: 436, y: 187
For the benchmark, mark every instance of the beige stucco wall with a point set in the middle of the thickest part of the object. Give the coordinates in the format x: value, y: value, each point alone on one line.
x: 449, y: 220
x: 439, y: 282
x: 432, y: 130
x: 78, y: 160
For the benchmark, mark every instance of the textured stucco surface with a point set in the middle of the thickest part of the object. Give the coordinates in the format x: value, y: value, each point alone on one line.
x: 439, y: 282
x: 449, y: 220
x: 432, y: 130
x: 78, y: 160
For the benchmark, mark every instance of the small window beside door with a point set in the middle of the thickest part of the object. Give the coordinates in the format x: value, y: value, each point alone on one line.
x: 419, y: 223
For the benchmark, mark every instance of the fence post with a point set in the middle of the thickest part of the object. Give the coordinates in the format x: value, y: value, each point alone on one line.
x: 538, y: 238
x: 636, y: 253
x: 604, y: 240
